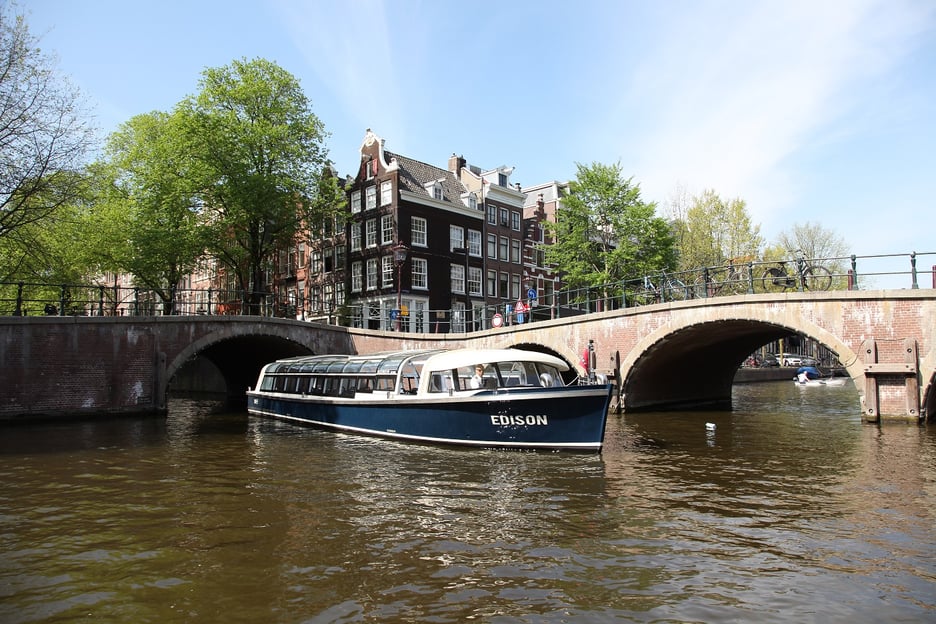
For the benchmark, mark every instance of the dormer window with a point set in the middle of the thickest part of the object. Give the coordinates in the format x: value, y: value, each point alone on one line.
x: 470, y: 200
x: 435, y: 190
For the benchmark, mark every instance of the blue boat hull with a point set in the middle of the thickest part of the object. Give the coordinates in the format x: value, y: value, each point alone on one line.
x: 543, y: 418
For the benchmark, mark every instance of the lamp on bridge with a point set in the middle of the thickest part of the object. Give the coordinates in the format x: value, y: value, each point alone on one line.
x: 400, y: 253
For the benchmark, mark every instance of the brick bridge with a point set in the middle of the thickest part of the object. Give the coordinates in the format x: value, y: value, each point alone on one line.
x: 680, y: 355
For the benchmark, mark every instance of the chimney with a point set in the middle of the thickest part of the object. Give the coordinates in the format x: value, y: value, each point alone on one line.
x: 456, y: 163
x: 540, y: 207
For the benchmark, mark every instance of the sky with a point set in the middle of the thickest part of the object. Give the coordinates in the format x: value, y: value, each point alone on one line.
x: 813, y: 111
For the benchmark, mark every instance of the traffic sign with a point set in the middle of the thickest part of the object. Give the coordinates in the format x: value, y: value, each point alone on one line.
x: 531, y: 294
x: 497, y: 320
x: 520, y: 307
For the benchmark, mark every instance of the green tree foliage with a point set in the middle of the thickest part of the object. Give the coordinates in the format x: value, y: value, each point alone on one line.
x: 259, y: 157
x: 44, y: 135
x: 149, y: 221
x: 713, y: 231
x: 605, y: 233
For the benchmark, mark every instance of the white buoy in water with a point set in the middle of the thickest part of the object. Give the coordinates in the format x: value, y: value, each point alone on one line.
x: 710, y: 426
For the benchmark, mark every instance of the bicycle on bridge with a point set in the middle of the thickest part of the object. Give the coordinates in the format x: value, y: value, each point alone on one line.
x: 671, y: 289
x: 804, y: 276
x: 734, y: 278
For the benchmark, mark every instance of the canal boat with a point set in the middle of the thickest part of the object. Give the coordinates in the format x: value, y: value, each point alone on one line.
x: 492, y: 398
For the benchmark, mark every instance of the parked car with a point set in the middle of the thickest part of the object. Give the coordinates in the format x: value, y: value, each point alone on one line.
x: 769, y: 360
x: 795, y: 359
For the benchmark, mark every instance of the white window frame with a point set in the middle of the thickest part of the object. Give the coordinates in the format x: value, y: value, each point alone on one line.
x: 457, y: 273
x: 357, y: 280
x: 370, y: 194
x: 386, y: 193
x: 515, y: 221
x: 474, y: 243
x: 371, y: 240
x: 355, y: 237
x: 474, y: 280
x: 355, y: 202
x: 372, y: 274
x: 420, y: 273
x: 386, y: 270
x: 419, y: 232
x: 386, y: 230
x: 456, y: 237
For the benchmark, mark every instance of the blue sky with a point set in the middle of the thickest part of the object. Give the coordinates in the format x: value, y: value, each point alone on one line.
x: 821, y: 111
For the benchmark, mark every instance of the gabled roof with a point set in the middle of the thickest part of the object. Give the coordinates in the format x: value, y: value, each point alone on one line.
x: 415, y: 175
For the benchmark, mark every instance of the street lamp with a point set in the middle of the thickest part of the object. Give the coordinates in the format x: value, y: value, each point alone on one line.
x: 400, y: 253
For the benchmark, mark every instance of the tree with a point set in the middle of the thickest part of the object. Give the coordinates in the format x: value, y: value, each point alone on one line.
x: 150, y: 222
x: 714, y: 232
x: 816, y: 243
x: 259, y: 154
x: 43, y: 131
x: 812, y: 239
x: 605, y: 233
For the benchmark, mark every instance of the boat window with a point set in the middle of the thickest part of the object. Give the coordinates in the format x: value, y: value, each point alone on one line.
x: 409, y: 384
x: 335, y: 367
x: 409, y: 378
x: 385, y: 383
x: 549, y: 376
x: 369, y: 366
x: 520, y: 374
x: 348, y: 387
x: 353, y: 366
x: 390, y: 365
x: 268, y: 382
x: 332, y: 386
x: 441, y: 382
x: 476, y: 377
x: 365, y: 384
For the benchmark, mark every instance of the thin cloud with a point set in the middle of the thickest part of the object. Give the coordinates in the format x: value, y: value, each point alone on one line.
x: 749, y: 88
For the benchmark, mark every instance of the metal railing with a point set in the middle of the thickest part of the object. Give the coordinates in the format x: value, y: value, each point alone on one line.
x: 884, y: 271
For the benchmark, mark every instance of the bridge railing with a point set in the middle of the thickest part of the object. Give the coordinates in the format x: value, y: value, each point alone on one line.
x: 742, y: 276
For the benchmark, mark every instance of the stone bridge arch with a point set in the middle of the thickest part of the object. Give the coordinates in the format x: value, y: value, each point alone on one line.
x: 691, y: 363
x: 240, y: 349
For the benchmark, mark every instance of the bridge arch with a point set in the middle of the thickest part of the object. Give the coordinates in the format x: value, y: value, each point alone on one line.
x: 239, y: 352
x: 691, y: 363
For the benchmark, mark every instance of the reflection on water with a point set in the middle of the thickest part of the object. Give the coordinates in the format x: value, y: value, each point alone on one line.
x: 790, y: 510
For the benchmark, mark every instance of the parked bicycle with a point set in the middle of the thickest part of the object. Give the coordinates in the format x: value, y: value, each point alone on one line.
x: 671, y: 289
x: 732, y: 279
x: 803, y: 276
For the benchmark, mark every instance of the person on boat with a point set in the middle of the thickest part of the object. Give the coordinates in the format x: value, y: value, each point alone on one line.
x: 811, y: 372
x: 477, y: 381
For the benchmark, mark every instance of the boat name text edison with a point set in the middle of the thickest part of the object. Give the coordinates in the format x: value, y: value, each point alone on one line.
x: 519, y: 419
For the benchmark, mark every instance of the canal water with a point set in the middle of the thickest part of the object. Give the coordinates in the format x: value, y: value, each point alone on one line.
x: 792, y: 509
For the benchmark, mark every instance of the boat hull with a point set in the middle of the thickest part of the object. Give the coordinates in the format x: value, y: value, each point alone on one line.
x: 571, y: 418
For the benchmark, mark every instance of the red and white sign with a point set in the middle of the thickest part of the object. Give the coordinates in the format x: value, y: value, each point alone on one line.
x: 497, y: 320
x: 520, y: 308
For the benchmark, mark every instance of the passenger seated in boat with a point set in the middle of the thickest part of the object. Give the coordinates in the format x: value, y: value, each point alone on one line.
x: 477, y: 380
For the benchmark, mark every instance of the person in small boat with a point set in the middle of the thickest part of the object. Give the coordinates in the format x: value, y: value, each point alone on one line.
x: 477, y: 381
x: 805, y: 373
